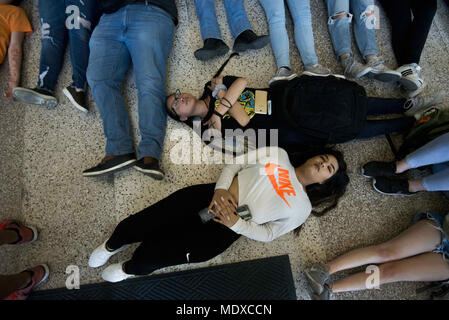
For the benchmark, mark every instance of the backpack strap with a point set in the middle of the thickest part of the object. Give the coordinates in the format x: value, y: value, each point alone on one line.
x: 392, y: 147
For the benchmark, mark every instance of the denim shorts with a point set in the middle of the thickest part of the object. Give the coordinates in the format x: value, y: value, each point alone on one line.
x: 438, y: 218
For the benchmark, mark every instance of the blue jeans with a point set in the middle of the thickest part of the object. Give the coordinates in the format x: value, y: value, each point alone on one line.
x: 59, y: 25
x: 339, y: 28
x: 142, y: 35
x: 435, y: 152
x: 438, y: 218
x: 235, y: 13
x: 302, y: 18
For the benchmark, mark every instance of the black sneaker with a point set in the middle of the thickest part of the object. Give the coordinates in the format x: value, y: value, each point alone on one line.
x: 150, y: 166
x: 391, y: 187
x: 212, y: 48
x: 248, y: 40
x: 379, y: 169
x: 110, y: 164
x: 78, y: 99
x: 35, y: 96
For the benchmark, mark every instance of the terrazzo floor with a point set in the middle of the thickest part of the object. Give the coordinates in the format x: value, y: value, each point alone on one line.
x: 43, y: 154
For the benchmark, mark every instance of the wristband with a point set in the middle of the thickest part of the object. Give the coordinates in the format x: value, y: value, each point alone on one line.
x: 218, y: 114
x: 218, y: 87
x: 230, y: 104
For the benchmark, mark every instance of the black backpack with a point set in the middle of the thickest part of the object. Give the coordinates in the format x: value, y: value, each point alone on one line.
x: 329, y: 109
x: 433, y: 123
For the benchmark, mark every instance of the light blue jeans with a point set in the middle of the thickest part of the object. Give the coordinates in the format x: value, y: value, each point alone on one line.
x: 302, y: 18
x: 339, y: 28
x: 435, y: 152
x: 235, y: 13
x: 142, y: 35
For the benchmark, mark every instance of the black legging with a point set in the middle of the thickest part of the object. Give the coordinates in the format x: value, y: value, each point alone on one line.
x: 409, y: 36
x: 172, y: 233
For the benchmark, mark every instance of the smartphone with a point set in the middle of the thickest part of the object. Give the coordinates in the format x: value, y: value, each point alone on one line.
x: 244, y: 212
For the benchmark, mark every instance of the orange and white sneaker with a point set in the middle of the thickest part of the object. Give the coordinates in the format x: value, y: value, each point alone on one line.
x: 38, y: 275
x: 26, y: 234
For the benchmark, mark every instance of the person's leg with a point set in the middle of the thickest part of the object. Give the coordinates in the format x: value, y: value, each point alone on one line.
x: 187, y: 242
x: 302, y: 18
x: 364, y: 26
x: 237, y: 18
x: 423, y: 13
x: 245, y: 38
x: 381, y: 106
x: 182, y: 205
x: 421, y: 237
x: 275, y: 11
x: 399, y: 14
x: 424, y: 267
x: 19, y: 286
x: 149, y: 39
x: 82, y: 18
x: 205, y: 9
x: 8, y: 236
x: 436, y: 182
x: 339, y: 26
x: 11, y: 283
x: 436, y: 151
x: 109, y: 60
x: 54, y: 41
x: 375, y: 128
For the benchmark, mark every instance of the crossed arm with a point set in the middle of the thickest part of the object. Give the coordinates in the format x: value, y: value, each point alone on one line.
x: 231, y: 95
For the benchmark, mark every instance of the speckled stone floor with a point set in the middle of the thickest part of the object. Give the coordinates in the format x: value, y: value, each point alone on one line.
x: 43, y: 153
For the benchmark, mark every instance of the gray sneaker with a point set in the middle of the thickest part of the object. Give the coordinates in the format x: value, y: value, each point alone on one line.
x: 317, y: 70
x: 325, y: 295
x: 35, y: 96
x: 282, y: 74
x: 354, y: 69
x: 414, y: 105
x: 380, y: 72
x: 317, y: 277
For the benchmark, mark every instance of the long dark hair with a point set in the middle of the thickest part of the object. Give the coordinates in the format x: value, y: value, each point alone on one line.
x: 328, y: 192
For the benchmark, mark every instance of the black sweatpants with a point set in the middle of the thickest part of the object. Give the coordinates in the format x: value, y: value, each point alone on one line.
x: 172, y: 233
x: 409, y: 36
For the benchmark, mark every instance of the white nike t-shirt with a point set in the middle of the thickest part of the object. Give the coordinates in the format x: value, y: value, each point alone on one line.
x: 268, y: 185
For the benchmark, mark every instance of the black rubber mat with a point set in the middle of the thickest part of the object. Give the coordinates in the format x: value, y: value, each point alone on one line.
x: 262, y: 279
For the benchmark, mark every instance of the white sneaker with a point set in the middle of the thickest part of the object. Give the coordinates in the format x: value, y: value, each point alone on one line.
x: 101, y: 255
x: 411, y: 78
x: 115, y: 273
x: 419, y: 103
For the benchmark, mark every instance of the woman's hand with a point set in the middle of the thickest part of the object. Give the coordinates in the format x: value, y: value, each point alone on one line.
x: 214, y: 123
x: 227, y: 219
x: 224, y: 205
x: 214, y: 82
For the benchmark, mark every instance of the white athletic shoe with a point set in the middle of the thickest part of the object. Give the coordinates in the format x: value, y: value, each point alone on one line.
x: 101, y: 255
x: 411, y: 78
x: 419, y: 103
x: 115, y: 273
